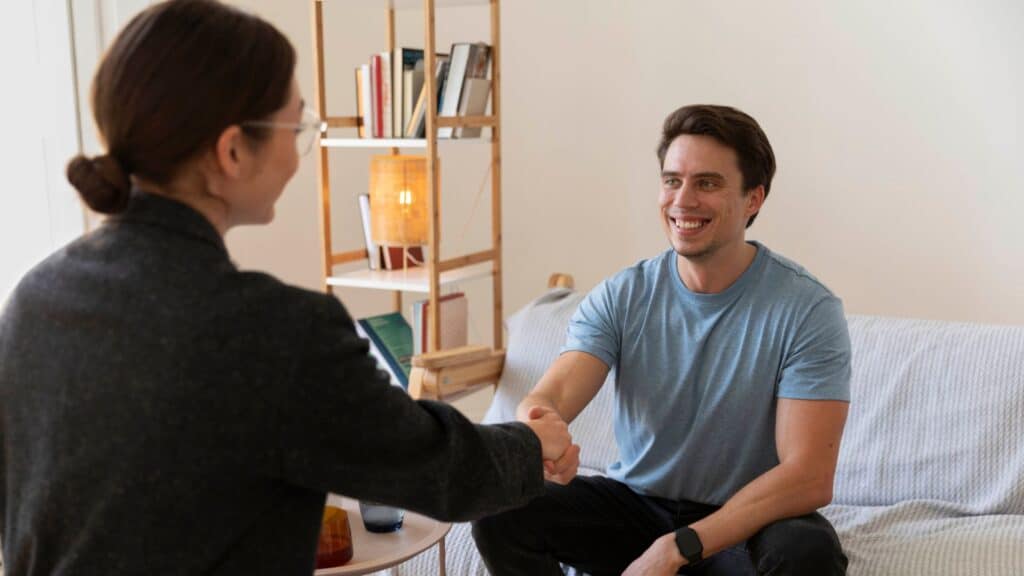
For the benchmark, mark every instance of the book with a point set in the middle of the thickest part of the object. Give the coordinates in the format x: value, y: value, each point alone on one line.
x: 407, y: 103
x: 372, y: 249
x: 475, y: 92
x: 405, y: 60
x: 364, y: 101
x: 387, y: 100
x: 417, y: 126
x: 467, y: 61
x: 376, y: 96
x: 454, y: 319
x: 390, y: 338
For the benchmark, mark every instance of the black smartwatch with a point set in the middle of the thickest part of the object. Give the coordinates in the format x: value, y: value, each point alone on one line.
x: 689, y: 545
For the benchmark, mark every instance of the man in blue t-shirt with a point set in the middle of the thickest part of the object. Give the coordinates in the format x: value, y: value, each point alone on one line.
x: 732, y: 370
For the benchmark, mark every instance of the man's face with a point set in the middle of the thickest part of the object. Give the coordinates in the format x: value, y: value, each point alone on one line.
x: 702, y: 204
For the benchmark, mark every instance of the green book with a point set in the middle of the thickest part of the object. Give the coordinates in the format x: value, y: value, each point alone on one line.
x: 390, y: 339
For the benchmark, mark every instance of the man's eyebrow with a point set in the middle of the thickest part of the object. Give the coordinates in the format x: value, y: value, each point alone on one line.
x: 715, y: 175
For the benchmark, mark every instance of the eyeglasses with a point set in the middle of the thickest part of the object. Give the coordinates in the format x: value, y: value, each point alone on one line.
x: 306, y: 132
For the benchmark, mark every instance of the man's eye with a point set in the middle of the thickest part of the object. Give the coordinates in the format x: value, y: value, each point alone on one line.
x: 671, y: 182
x: 707, y: 184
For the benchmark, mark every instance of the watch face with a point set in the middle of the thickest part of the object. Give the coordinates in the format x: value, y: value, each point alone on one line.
x: 689, y: 544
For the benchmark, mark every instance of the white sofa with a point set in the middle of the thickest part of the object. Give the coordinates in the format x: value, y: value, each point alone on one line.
x: 931, y: 473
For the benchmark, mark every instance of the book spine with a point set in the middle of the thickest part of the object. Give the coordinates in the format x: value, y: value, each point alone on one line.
x: 360, y: 104
x: 386, y: 94
x: 453, y: 85
x: 366, y: 131
x: 372, y: 250
x: 378, y: 96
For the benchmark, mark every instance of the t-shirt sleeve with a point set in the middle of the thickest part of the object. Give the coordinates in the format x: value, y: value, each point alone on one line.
x: 596, y: 327
x: 818, y: 364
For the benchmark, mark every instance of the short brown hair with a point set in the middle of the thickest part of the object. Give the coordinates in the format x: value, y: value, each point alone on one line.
x: 731, y: 127
x: 174, y: 79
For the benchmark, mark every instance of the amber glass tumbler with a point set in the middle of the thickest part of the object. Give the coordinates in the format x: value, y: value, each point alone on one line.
x: 335, y: 545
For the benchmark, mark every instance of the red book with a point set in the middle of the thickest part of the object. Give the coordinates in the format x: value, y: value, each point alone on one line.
x: 378, y: 96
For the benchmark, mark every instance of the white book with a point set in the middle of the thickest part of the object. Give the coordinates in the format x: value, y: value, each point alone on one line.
x: 371, y: 247
x: 475, y: 92
x: 366, y: 89
x: 453, y: 86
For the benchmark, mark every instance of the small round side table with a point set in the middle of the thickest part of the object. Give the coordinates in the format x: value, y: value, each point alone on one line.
x: 374, y: 552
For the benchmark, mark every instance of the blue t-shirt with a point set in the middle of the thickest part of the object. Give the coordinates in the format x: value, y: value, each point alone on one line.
x: 697, y: 375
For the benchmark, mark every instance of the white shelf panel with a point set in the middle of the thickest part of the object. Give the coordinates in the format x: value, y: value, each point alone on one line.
x: 408, y: 280
x: 373, y: 143
x: 389, y: 142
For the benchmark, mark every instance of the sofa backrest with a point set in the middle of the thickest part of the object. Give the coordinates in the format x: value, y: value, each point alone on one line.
x: 536, y: 333
x: 937, y: 413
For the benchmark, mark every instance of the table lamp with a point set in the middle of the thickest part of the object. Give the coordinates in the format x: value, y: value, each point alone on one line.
x: 398, y: 205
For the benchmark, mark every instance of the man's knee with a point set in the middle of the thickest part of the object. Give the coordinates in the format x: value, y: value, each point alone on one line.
x: 489, y: 531
x: 798, y: 546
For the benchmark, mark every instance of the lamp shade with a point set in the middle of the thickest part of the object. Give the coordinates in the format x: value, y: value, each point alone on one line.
x: 398, y: 200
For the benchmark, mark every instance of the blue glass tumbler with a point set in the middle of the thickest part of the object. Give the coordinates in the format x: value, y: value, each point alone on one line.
x: 379, y: 517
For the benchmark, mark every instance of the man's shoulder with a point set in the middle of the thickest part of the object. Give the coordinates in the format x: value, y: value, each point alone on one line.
x: 789, y: 277
x: 640, y: 274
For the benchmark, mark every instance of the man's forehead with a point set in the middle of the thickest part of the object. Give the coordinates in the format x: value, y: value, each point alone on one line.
x: 695, y: 153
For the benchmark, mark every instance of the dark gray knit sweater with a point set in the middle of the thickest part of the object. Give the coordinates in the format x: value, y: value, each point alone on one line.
x: 163, y: 412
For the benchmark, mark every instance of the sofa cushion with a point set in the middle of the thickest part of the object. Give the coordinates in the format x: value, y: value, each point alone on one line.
x: 536, y: 333
x: 937, y: 413
x: 928, y: 538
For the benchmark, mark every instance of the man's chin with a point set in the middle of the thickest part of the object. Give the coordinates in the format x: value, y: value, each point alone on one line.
x: 693, y: 253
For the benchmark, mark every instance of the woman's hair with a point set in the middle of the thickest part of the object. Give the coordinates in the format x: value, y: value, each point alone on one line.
x: 175, y: 78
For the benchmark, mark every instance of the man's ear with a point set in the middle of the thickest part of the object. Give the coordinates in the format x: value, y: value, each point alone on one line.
x: 755, y: 199
x: 229, y: 152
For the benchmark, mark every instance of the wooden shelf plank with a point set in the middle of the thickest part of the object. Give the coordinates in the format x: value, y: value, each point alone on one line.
x: 408, y: 280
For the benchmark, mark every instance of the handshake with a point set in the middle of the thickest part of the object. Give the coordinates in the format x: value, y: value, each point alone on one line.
x: 561, y: 456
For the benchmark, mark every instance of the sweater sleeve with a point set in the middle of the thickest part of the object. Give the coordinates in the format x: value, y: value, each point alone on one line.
x: 346, y: 429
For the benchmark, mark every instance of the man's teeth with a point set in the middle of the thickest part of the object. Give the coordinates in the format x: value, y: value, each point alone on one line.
x: 690, y: 224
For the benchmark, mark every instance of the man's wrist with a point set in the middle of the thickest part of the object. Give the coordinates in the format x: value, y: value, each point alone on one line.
x: 689, y: 545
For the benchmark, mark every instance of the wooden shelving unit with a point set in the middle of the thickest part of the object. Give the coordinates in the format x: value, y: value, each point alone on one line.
x: 438, y: 272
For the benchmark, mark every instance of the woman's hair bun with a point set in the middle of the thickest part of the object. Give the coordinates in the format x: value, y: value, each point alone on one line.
x: 101, y: 182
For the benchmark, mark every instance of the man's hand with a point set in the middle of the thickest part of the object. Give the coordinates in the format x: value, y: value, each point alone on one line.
x: 662, y: 558
x: 561, y: 456
x: 563, y: 470
x: 552, y: 431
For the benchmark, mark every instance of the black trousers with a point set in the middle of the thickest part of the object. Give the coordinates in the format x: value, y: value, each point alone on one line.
x: 600, y: 526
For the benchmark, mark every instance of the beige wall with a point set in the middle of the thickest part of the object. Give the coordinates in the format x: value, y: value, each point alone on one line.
x: 897, y: 130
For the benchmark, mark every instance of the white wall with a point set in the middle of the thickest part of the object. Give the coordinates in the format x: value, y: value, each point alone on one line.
x: 39, y: 211
x: 897, y: 131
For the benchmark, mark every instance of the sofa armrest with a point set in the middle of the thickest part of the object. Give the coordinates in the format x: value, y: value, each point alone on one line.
x: 448, y: 374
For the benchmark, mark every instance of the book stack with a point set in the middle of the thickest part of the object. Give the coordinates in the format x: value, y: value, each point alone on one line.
x: 391, y: 92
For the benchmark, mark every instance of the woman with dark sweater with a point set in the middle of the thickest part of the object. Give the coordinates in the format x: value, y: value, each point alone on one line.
x: 162, y: 411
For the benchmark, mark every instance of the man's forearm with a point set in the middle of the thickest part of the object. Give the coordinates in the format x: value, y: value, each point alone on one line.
x: 532, y: 400
x: 785, y: 491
